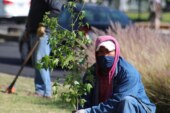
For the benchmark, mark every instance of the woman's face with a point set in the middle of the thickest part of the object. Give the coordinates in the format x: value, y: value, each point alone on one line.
x: 105, y: 52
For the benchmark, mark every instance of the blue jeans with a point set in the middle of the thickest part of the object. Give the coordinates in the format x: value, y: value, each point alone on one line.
x: 42, y: 77
x: 128, y: 104
x: 132, y: 105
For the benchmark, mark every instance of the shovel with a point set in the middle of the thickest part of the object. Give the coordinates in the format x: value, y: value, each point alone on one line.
x: 11, y: 88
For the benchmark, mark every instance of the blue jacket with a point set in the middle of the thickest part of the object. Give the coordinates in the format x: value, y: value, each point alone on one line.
x: 127, y: 82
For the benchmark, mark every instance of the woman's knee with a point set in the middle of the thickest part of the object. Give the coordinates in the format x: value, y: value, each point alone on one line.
x: 126, y: 105
x: 128, y: 100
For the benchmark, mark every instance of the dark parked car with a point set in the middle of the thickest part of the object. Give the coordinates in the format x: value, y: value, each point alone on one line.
x: 96, y: 16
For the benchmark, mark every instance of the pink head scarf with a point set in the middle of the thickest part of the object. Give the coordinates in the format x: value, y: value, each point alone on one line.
x: 105, y: 82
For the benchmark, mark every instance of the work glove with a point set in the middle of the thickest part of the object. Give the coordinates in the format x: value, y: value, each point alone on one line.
x: 81, y: 111
x: 40, y: 30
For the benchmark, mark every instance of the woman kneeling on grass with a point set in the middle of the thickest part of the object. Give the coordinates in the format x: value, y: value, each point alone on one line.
x: 117, y: 85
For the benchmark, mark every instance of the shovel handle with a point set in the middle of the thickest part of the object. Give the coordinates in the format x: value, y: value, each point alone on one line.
x: 9, y: 89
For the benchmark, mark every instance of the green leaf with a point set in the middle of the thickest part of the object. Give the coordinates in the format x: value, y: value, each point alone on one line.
x: 76, y: 83
x: 68, y: 59
x: 88, y: 87
x: 55, y: 61
x: 82, y: 101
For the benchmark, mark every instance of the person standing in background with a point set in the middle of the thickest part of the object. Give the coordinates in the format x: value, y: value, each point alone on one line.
x: 35, y: 30
x: 155, y: 13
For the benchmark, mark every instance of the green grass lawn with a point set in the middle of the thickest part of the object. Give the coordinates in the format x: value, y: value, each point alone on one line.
x: 145, y: 15
x: 22, y: 102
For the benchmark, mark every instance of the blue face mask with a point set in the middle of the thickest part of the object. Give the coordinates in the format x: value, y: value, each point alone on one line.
x: 105, y: 63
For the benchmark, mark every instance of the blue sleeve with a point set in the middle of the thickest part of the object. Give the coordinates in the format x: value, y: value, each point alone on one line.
x: 127, y: 85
